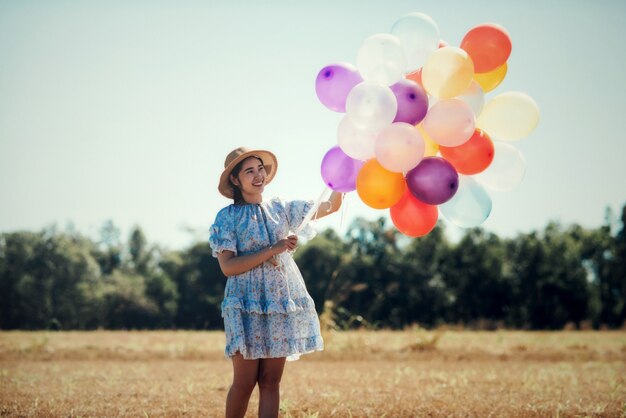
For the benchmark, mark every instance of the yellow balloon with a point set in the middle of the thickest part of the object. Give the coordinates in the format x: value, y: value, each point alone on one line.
x: 377, y: 187
x: 448, y: 72
x: 431, y: 146
x: 492, y: 79
x: 509, y: 116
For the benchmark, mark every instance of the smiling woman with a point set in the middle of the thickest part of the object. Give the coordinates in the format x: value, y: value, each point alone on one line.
x: 268, y: 313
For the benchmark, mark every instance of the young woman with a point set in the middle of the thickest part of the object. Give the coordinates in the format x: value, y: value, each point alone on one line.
x: 268, y: 314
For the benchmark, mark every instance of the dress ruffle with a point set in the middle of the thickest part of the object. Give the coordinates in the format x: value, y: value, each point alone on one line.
x: 292, y: 349
x: 267, y: 307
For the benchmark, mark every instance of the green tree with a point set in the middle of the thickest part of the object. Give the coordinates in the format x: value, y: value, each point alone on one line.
x: 473, y: 274
x: 619, y: 266
x: 127, y: 304
x: 108, y: 251
x: 140, y: 254
x: 200, y: 285
x: 428, y: 298
x: 368, y: 279
x: 318, y: 261
x: 550, y: 285
x: 52, y: 280
x: 17, y: 251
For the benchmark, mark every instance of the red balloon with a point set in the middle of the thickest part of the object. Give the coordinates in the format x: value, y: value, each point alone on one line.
x: 413, y: 217
x: 489, y: 45
x: 416, y: 76
x: 470, y: 157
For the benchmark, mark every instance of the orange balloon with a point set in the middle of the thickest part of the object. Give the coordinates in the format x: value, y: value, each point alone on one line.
x: 412, y: 216
x: 415, y: 76
x: 470, y: 157
x: 489, y: 45
x: 377, y: 187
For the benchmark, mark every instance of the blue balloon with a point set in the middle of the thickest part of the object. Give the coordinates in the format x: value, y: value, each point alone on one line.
x: 470, y: 206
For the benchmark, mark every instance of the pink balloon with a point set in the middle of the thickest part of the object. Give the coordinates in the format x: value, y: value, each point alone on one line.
x: 399, y: 147
x: 449, y: 122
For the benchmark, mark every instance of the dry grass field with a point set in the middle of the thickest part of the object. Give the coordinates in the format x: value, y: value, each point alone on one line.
x: 410, y: 373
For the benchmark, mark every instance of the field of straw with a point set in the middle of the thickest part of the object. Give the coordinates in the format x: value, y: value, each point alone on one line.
x: 411, y: 373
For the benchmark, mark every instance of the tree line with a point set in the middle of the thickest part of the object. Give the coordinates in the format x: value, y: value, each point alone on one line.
x: 373, y: 276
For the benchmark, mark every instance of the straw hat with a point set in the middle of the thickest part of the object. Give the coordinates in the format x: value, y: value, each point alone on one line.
x: 238, y: 155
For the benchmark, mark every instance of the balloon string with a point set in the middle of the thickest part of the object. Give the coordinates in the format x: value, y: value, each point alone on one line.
x: 343, y: 209
x: 309, y: 216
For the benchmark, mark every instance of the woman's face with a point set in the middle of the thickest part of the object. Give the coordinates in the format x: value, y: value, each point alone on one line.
x: 251, y: 178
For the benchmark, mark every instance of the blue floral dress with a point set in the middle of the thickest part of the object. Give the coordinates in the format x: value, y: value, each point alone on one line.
x: 267, y: 311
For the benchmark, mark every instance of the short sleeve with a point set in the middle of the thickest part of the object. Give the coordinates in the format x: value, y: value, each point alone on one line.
x: 222, y: 236
x: 297, y: 211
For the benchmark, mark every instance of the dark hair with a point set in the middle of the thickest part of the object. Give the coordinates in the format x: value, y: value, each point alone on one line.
x: 237, y: 196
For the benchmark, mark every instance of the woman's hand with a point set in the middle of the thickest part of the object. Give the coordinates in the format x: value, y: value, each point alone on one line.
x: 288, y: 244
x: 232, y: 265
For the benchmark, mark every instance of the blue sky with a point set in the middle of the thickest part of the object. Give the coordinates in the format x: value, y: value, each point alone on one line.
x: 125, y: 110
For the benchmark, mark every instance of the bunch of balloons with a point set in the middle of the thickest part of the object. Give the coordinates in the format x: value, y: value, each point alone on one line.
x: 417, y: 136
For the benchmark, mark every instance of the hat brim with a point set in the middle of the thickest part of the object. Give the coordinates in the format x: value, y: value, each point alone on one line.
x: 269, y: 162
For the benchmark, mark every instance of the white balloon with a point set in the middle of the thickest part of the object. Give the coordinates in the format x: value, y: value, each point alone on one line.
x: 381, y: 59
x: 474, y: 97
x: 419, y: 36
x: 507, y: 169
x: 371, y: 106
x: 356, y: 143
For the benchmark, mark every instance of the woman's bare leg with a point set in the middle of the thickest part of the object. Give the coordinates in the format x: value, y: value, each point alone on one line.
x: 270, y: 373
x: 245, y: 375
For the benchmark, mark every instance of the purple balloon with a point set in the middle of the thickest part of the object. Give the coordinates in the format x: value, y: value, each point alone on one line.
x: 339, y: 171
x: 412, y: 102
x: 433, y: 181
x: 333, y: 84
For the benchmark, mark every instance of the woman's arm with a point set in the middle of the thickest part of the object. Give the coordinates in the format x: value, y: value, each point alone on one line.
x: 232, y: 265
x: 332, y: 205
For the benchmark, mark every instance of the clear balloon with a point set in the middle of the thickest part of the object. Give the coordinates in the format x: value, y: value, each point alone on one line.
x: 474, y: 97
x: 339, y: 171
x: 448, y: 72
x: 413, y: 217
x: 371, y: 106
x: 489, y: 45
x: 377, y: 187
x: 472, y: 156
x: 507, y: 169
x: 470, y: 206
x: 434, y: 181
x: 412, y: 101
x: 381, y: 59
x: 509, y: 116
x: 492, y: 79
x: 399, y: 147
x: 449, y: 122
x: 356, y: 143
x: 333, y: 84
x: 419, y: 36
